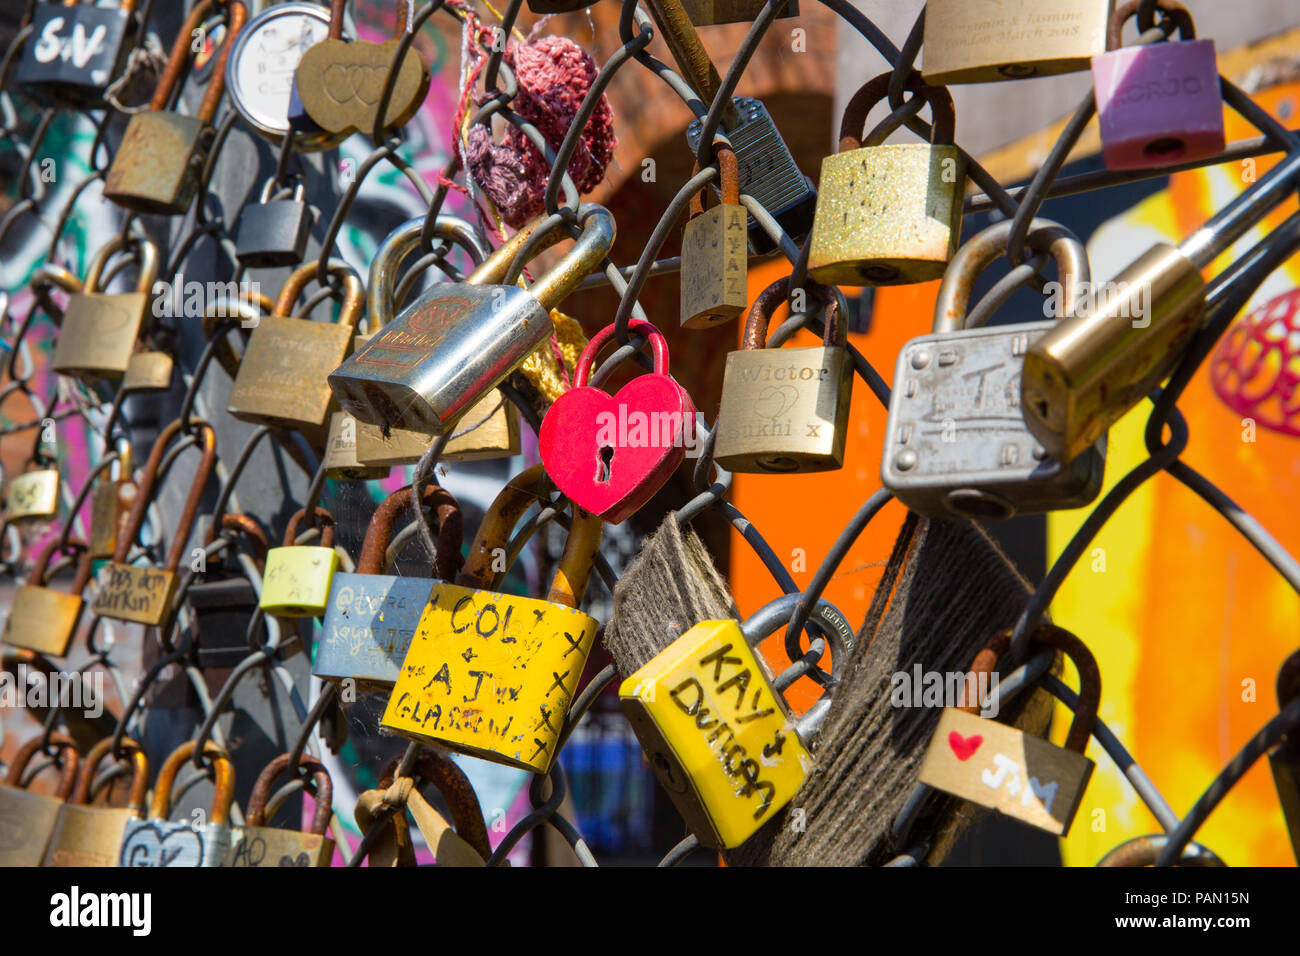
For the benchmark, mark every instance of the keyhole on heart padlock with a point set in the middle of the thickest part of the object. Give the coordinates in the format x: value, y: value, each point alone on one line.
x: 603, y: 469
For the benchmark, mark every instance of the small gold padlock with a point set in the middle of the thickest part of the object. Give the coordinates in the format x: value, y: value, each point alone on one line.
x: 33, y: 495
x: 297, y: 579
x: 88, y: 835
x: 111, y: 501
x: 42, y: 619
x: 256, y: 844
x: 341, y: 462
x: 785, y: 410
x: 148, y: 371
x: 715, y: 253
x: 27, y: 819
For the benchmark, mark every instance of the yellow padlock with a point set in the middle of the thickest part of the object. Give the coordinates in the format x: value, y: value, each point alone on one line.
x: 492, y: 675
x: 298, y: 577
x: 716, y: 732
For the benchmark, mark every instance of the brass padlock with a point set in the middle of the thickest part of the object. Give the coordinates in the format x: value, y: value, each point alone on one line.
x: 34, y: 494
x: 715, y: 731
x: 1284, y: 759
x: 785, y: 410
x: 148, y: 370
x: 340, y: 461
x: 27, y: 819
x: 111, y: 501
x: 974, y: 41
x: 43, y: 619
x: 99, y: 331
x: 281, y: 380
x: 492, y: 675
x: 1005, y: 769
x: 708, y: 13
x: 157, y: 166
x: 497, y: 431
x: 128, y: 592
x: 715, y: 253
x: 256, y: 844
x: 88, y: 835
x: 159, y: 842
x: 888, y: 214
x: 297, y: 578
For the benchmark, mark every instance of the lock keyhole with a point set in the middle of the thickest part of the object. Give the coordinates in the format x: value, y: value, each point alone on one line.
x: 603, y: 469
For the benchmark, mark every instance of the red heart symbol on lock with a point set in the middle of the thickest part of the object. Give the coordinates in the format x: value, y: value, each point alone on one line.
x: 609, y: 454
x: 964, y: 747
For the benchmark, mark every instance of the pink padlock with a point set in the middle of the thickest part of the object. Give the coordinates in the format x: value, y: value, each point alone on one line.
x: 1158, y: 103
x: 610, y: 453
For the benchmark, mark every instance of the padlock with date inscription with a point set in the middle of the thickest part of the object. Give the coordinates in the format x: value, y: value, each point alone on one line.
x: 256, y: 844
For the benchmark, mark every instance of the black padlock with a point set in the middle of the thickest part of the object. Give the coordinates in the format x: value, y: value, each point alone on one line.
x: 273, y: 232
x: 75, y: 52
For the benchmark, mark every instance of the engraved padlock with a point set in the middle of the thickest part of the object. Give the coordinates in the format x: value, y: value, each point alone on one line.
x: 717, y: 734
x: 74, y: 52
x: 273, y: 232
x: 785, y: 410
x: 42, y: 619
x: 33, y: 494
x: 257, y: 844
x: 887, y: 213
x: 956, y: 442
x: 160, y: 842
x: 492, y: 675
x: 157, y: 167
x: 98, y: 336
x: 27, y: 819
x: 715, y: 253
x: 88, y: 834
x: 298, y: 576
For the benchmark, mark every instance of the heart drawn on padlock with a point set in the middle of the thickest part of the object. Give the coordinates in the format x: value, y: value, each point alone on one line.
x: 151, y: 845
x: 964, y: 747
x: 609, y: 454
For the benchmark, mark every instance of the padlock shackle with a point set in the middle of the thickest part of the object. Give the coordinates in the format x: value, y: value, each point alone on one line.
x: 379, y: 533
x: 729, y: 176
x: 41, y: 567
x: 323, y: 518
x: 169, y: 83
x: 148, y: 257
x: 1145, y: 850
x: 354, y: 293
x: 223, y: 794
x: 49, y: 276
x: 385, y: 267
x: 336, y: 19
x: 555, y: 285
x: 943, y: 114
x: 658, y: 348
x: 988, y: 244
x: 69, y: 756
x: 247, y: 526
x: 139, y: 774
x: 255, y: 815
x: 1175, y: 10
x: 450, y: 780
x: 760, y: 313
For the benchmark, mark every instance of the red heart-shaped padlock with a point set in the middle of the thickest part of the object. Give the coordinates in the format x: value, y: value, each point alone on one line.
x: 609, y: 454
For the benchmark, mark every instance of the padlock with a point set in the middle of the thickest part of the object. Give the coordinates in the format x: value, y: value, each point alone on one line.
x: 219, y: 320
x: 27, y: 819
x: 443, y: 354
x: 341, y: 462
x: 148, y: 370
x: 33, y: 495
x: 1284, y: 759
x: 715, y: 254
x: 1005, y: 769
x: 888, y: 214
x: 372, y: 616
x: 43, y: 619
x: 768, y: 173
x: 1157, y: 103
x: 223, y: 600
x: 729, y: 763
x: 281, y: 380
x: 1085, y: 373
x: 610, y: 454
x: 88, y: 835
x: 785, y: 410
x: 74, y: 52
x: 492, y: 675
x: 110, y: 503
x: 99, y: 331
x: 273, y: 232
x: 298, y: 576
x: 956, y: 443
x: 256, y: 844
x: 497, y: 435
x: 707, y: 13
x: 973, y: 41
x: 157, y: 166
x: 339, y: 83
x: 157, y: 841
x: 128, y: 592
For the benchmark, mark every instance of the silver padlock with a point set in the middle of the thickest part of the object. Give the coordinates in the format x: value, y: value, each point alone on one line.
x: 161, y: 842
x: 956, y: 443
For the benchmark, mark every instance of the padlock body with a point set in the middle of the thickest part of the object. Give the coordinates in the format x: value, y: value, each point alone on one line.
x: 715, y: 264
x: 73, y: 54
x: 441, y: 356
x: 341, y: 463
x: 491, y: 675
x: 972, y: 41
x: 956, y: 444
x: 157, y: 167
x: 174, y: 843
x: 297, y: 581
x: 148, y: 372
x: 706, y: 13
x: 98, y: 334
x: 887, y: 215
x: 369, y: 623
x: 767, y: 172
x: 110, y: 507
x: 130, y: 593
x: 274, y: 234
x: 784, y: 410
x: 32, y: 495
x: 26, y: 822
x: 43, y: 620
x: 716, y: 735
x: 1284, y: 760
x: 1006, y: 770
x: 88, y: 836
x: 282, y: 376
x: 268, y: 846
